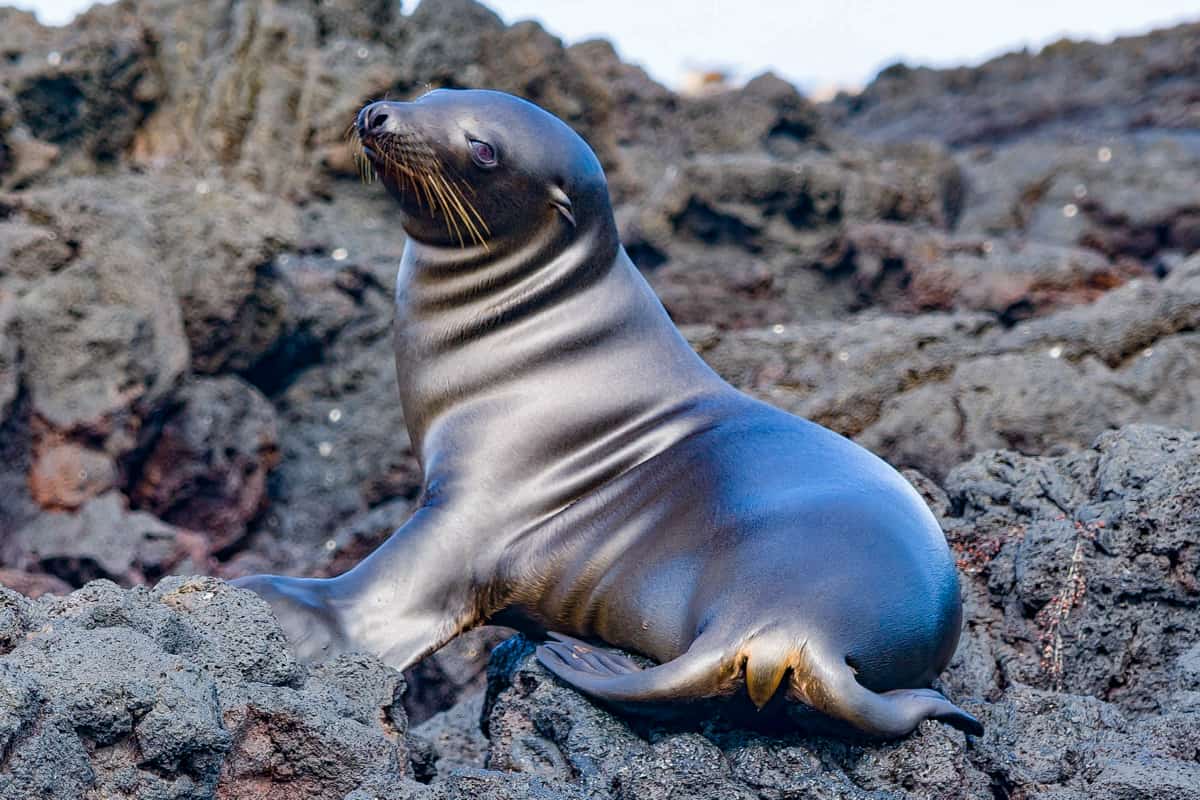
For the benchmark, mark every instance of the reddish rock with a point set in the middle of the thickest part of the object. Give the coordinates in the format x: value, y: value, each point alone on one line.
x: 66, y: 475
x: 902, y: 269
x: 208, y: 469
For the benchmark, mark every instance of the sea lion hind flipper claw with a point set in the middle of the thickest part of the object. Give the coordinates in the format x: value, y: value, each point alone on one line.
x: 601, y: 660
x: 595, y: 661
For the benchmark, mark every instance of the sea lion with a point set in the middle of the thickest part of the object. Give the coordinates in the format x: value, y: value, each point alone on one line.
x: 587, y: 475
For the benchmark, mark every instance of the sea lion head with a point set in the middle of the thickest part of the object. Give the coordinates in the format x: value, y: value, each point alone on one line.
x: 470, y: 167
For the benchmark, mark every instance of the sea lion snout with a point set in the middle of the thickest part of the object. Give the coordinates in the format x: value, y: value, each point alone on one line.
x: 373, y: 116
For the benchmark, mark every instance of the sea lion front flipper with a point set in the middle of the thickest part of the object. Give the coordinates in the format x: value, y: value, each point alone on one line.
x: 613, y: 677
x: 401, y: 603
x: 300, y: 607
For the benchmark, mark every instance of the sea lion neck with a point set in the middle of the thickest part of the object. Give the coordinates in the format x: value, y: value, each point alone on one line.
x: 499, y: 352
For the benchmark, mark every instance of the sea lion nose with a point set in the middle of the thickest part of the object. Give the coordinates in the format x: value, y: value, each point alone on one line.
x: 373, y: 117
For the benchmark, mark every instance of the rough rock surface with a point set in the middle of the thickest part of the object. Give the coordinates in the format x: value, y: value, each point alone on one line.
x: 208, y: 469
x: 185, y: 691
x: 1079, y: 143
x: 1134, y: 83
x: 927, y: 391
x: 102, y: 539
x: 905, y: 270
x: 1086, y: 565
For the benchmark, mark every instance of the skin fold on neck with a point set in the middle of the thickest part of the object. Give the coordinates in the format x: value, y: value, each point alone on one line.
x: 500, y: 351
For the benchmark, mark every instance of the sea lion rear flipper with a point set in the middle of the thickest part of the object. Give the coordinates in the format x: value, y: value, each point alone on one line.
x: 835, y: 691
x: 932, y: 704
x: 608, y: 675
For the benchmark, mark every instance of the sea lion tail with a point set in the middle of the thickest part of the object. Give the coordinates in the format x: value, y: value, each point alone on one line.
x: 829, y: 685
x: 607, y: 675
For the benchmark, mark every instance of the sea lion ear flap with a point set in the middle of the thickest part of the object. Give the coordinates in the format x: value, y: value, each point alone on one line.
x: 559, y: 199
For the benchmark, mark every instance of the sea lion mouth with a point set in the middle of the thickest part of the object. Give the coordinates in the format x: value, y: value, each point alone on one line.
x: 407, y: 162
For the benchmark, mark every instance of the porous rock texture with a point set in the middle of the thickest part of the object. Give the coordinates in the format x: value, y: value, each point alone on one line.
x: 187, y: 690
x: 196, y: 373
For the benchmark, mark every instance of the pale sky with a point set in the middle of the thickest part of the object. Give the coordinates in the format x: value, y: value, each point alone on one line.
x: 815, y: 43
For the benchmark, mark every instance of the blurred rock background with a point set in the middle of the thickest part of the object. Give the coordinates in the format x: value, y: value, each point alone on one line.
x: 196, y: 373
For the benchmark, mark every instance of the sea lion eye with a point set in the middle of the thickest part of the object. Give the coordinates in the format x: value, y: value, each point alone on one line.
x: 483, y: 153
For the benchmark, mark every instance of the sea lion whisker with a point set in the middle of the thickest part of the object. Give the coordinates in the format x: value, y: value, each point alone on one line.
x: 448, y: 211
x: 451, y: 208
x: 433, y: 205
x: 471, y: 217
x: 398, y: 160
x: 457, y: 202
x: 448, y: 202
x: 474, y: 211
x: 461, y: 202
x: 398, y: 165
x: 366, y: 170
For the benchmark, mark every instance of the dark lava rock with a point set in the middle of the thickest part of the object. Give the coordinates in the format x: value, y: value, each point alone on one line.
x: 840, y: 374
x: 103, y: 539
x: 160, y: 273
x: 16, y: 460
x: 767, y: 115
x: 1129, y: 196
x: 81, y: 89
x: 259, y: 90
x: 1079, y: 144
x: 344, y: 448
x: 452, y: 738
x: 753, y: 240
x: 1057, y: 381
x: 1134, y: 82
x: 930, y: 390
x: 186, y: 691
x: 29, y: 251
x: 911, y: 270
x: 457, y: 670
x: 1086, y: 566
x: 262, y: 91
x: 200, y: 244
x: 117, y: 352
x: 208, y: 468
x: 9, y: 355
